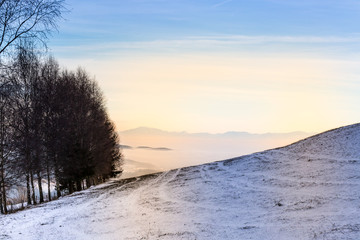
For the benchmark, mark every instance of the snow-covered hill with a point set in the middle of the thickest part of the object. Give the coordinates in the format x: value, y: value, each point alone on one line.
x: 307, y: 190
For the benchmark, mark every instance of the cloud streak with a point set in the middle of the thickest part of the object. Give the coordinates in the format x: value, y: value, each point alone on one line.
x: 205, y: 43
x: 221, y: 3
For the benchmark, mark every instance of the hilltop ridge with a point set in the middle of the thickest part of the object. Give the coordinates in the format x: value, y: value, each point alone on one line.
x: 340, y: 142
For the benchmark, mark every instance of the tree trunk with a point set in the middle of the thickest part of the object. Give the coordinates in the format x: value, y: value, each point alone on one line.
x: 32, y: 188
x: 40, y: 187
x: 1, y: 203
x: 48, y: 180
x: 71, y: 187
x: 78, y: 185
x: 28, y: 192
x: 4, y: 196
x: 57, y: 175
x: 2, y: 192
x: 58, y: 192
x: 88, y: 184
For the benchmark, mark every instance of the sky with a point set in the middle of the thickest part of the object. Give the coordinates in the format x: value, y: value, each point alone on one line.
x: 218, y: 65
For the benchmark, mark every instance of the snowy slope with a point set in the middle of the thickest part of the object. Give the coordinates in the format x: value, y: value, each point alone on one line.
x: 307, y: 190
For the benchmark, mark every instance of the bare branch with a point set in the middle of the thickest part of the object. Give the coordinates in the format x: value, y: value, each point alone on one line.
x: 27, y: 19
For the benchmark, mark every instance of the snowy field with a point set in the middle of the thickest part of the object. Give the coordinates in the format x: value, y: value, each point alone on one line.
x: 308, y: 190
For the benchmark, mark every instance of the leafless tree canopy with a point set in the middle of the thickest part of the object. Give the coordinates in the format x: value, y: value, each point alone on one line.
x: 29, y: 19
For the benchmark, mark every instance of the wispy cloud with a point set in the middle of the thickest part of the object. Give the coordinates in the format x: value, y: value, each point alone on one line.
x: 243, y: 39
x: 221, y: 3
x: 220, y: 42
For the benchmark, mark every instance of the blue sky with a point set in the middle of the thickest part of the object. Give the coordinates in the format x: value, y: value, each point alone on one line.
x: 326, y: 27
x: 252, y: 65
x: 139, y: 20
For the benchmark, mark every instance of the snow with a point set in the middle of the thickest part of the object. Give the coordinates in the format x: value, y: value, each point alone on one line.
x: 307, y: 190
x: 17, y: 196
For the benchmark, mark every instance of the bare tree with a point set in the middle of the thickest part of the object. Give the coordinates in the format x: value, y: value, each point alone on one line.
x: 27, y: 19
x: 50, y: 75
x: 24, y: 74
x: 5, y: 140
x: 9, y: 177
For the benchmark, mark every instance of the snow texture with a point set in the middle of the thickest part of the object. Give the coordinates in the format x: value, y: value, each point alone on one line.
x: 307, y: 190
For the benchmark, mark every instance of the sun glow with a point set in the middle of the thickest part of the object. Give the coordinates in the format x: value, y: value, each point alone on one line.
x: 216, y: 93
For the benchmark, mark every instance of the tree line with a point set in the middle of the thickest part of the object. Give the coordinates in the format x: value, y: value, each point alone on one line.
x: 53, y: 125
x: 53, y: 122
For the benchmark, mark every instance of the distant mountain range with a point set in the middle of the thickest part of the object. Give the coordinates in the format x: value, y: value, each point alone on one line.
x: 168, y: 150
x: 146, y: 147
x: 159, y: 132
